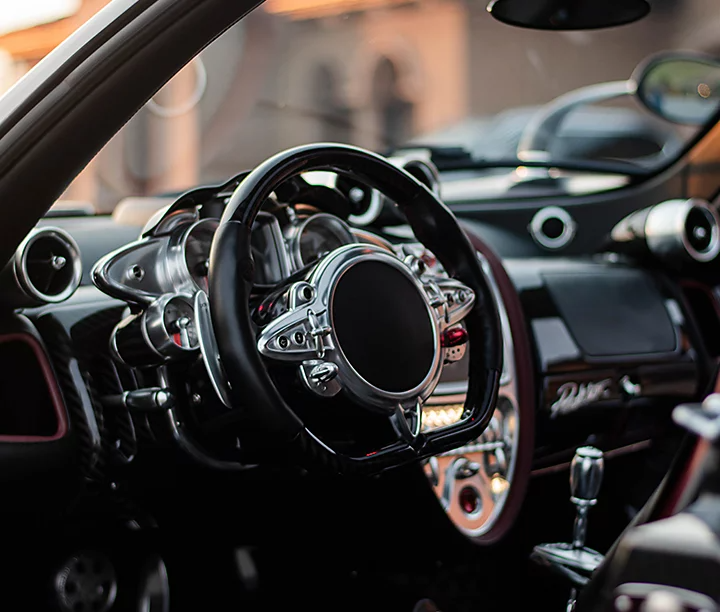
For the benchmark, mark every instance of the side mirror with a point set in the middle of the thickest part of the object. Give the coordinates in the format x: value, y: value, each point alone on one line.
x: 568, y: 14
x: 681, y: 88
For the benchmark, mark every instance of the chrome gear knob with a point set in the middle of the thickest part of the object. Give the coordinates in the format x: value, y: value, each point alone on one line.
x: 586, y: 474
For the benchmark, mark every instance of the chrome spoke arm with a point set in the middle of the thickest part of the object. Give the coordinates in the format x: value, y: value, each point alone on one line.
x: 452, y: 299
x: 296, y: 335
x: 302, y: 333
x: 407, y: 422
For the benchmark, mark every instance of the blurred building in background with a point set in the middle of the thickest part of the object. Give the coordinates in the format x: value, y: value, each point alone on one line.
x: 370, y: 72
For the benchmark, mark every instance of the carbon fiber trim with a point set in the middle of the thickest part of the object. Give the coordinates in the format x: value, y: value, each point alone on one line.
x: 90, y: 337
x: 84, y: 421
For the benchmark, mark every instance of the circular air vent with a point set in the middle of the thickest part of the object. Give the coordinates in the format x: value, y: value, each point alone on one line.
x: 47, y: 265
x: 552, y: 227
x: 701, y: 232
x: 368, y: 203
x: 425, y: 172
x: 683, y: 227
x: 371, y: 201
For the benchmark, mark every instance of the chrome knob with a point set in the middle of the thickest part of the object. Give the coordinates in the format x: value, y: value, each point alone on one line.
x: 58, y: 262
x: 466, y: 470
x: 324, y: 372
x: 586, y: 474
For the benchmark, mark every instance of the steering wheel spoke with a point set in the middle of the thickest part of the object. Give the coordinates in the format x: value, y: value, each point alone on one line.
x: 298, y: 335
x: 452, y: 299
x: 407, y: 422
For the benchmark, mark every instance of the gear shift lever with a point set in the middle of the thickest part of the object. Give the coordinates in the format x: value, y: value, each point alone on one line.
x: 586, y: 473
x: 575, y: 560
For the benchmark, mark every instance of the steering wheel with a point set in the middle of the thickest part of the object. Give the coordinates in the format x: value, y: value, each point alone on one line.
x: 362, y: 321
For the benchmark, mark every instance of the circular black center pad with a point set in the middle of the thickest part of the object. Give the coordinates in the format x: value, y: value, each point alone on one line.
x: 383, y: 326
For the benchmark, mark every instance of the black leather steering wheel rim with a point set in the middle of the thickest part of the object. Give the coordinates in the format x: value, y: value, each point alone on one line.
x: 231, y: 280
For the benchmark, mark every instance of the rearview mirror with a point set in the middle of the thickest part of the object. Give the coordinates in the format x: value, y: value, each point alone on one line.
x: 681, y: 88
x: 568, y: 14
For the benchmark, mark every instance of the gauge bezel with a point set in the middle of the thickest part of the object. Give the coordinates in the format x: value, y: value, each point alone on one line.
x: 338, y: 227
x: 179, y: 272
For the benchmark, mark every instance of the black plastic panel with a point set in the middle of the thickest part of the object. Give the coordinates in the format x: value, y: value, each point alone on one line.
x: 613, y: 311
x: 614, y: 353
x: 27, y: 407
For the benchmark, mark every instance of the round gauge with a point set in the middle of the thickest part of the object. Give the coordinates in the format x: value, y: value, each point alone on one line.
x: 179, y: 322
x: 317, y: 236
x: 196, y: 251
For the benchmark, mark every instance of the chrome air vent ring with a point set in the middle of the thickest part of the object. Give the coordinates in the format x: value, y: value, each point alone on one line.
x: 47, y: 265
x: 702, y: 232
x: 552, y: 228
x: 691, y: 225
x: 421, y: 169
x: 425, y: 172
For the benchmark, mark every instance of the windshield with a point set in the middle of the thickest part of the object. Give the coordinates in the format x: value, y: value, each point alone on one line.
x: 438, y: 75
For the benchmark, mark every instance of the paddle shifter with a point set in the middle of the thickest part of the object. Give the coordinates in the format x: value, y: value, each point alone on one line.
x: 574, y: 560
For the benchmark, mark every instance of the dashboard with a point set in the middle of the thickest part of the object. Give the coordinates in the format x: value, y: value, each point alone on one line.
x: 594, y: 348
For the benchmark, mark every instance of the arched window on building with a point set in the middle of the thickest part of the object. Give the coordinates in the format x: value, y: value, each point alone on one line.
x: 394, y: 113
x: 334, y: 117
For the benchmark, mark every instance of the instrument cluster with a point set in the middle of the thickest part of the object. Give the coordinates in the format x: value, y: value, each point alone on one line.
x: 278, y: 251
x: 164, y: 271
x: 179, y: 261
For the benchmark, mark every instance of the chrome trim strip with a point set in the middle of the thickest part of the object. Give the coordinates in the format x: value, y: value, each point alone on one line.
x: 209, y: 349
x: 114, y: 352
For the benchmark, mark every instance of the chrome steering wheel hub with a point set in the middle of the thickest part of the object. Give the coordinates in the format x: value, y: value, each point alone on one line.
x: 371, y: 324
